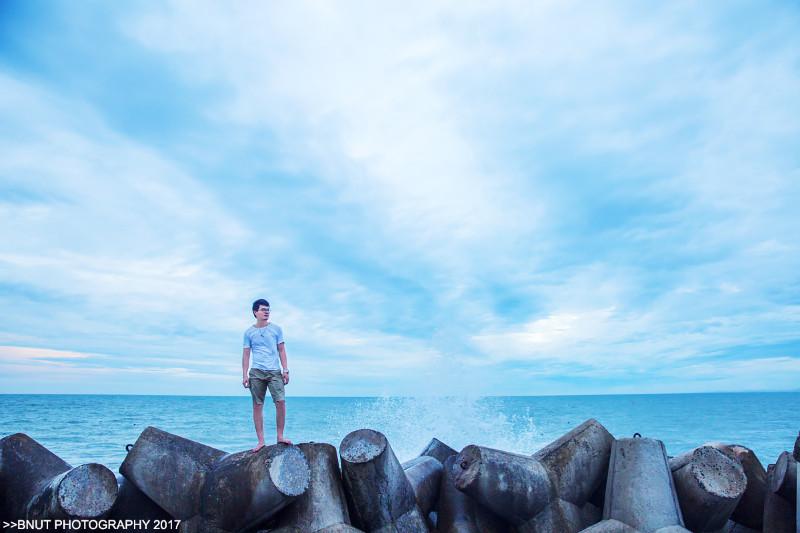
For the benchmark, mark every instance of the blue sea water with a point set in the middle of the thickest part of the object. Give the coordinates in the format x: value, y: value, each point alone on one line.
x: 96, y: 428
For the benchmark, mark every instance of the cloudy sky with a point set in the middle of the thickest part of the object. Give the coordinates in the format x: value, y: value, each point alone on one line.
x: 436, y: 198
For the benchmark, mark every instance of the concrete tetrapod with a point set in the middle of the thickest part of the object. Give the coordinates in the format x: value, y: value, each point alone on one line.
x: 170, y: 470
x: 610, y: 526
x: 438, y: 450
x: 709, y: 486
x: 133, y: 504
x: 640, y: 491
x: 750, y: 510
x: 796, y: 451
x: 323, y: 505
x: 425, y: 475
x: 780, y: 515
x: 245, y: 489
x: 459, y: 513
x: 37, y: 484
x: 515, y: 487
x: 784, y: 477
x: 379, y: 495
x: 578, y: 461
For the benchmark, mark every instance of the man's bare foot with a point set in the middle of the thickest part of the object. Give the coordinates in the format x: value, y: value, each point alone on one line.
x: 258, y: 447
x: 283, y: 440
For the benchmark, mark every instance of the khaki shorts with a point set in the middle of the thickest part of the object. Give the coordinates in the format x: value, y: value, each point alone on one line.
x: 261, y: 380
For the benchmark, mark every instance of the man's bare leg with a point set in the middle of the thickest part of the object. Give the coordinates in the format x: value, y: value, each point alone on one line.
x: 258, y: 420
x: 280, y: 420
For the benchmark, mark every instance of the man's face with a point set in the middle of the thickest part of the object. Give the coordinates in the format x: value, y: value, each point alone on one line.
x: 262, y: 313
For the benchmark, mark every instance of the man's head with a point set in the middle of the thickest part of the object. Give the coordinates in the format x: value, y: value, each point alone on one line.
x: 261, y: 309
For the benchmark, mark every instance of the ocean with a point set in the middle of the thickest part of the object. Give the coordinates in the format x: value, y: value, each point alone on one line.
x: 96, y: 428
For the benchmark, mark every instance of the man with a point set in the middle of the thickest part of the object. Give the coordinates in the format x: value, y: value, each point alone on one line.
x: 264, y: 341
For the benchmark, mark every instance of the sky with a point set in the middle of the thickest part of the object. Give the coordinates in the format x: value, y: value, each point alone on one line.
x: 449, y: 198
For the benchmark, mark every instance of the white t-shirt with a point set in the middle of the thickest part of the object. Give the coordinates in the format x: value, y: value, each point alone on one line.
x: 263, y: 344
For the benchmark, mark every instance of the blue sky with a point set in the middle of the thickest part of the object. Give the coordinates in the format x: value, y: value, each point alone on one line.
x: 459, y: 198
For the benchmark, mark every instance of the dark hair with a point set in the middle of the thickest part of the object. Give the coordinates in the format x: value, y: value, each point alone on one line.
x: 258, y: 303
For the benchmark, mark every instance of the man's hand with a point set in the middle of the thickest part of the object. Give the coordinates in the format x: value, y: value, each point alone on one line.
x: 285, y: 377
x: 246, y: 382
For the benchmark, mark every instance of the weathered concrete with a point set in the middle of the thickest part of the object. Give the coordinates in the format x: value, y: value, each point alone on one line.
x: 796, y: 451
x: 245, y: 489
x: 379, y: 495
x: 784, y: 478
x: 578, y: 461
x: 323, y: 505
x: 780, y: 515
x: 732, y: 527
x: 438, y: 450
x: 39, y: 485
x: 133, y: 504
x: 425, y: 475
x: 591, y: 513
x: 513, y: 486
x: 709, y: 487
x: 640, y: 491
x: 672, y: 529
x: 750, y: 510
x: 610, y: 526
x: 558, y: 515
x: 459, y: 513
x: 170, y: 470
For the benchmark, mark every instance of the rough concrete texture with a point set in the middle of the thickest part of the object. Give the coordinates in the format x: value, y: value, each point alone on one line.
x: 323, y: 505
x: 732, y: 527
x: 425, y: 475
x: 558, y: 515
x: 578, y: 461
x: 37, y: 484
x: 513, y: 486
x: 459, y: 513
x: 610, y: 526
x: 672, y: 529
x: 709, y: 487
x: 86, y: 491
x: 170, y: 470
x: 133, y: 504
x: 780, y: 515
x: 438, y: 450
x: 245, y: 489
x: 750, y: 510
x: 379, y: 495
x: 784, y: 478
x: 591, y: 513
x: 796, y: 451
x: 640, y: 491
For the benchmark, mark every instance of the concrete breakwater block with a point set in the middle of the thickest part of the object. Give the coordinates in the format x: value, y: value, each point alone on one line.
x: 709, y: 486
x: 379, y: 495
x: 37, y: 484
x: 133, y: 504
x: 750, y: 510
x: 438, y: 450
x: 578, y: 461
x: 245, y: 489
x: 323, y: 506
x: 610, y: 526
x: 459, y: 513
x: 780, y: 515
x: 513, y: 486
x: 640, y: 491
x: 784, y: 477
x: 425, y: 475
x: 170, y: 470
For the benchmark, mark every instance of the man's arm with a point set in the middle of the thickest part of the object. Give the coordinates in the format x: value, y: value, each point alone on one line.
x: 245, y: 366
x: 284, y: 363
